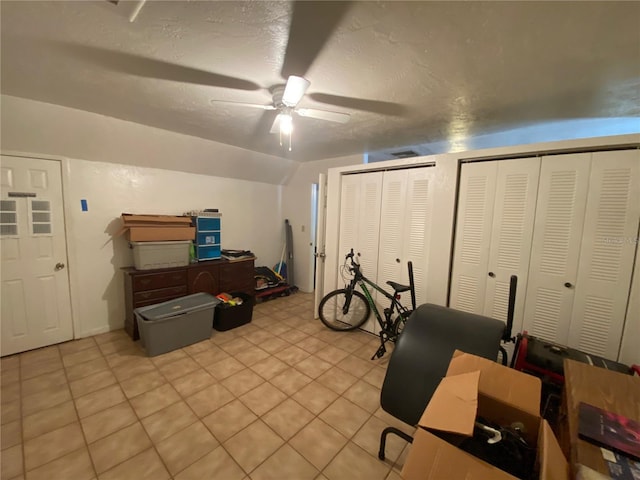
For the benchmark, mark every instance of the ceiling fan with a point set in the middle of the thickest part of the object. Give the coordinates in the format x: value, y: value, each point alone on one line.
x: 312, y: 24
x: 285, y: 101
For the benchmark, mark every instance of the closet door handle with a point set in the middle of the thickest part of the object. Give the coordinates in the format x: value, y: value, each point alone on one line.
x: 568, y: 284
x: 492, y: 275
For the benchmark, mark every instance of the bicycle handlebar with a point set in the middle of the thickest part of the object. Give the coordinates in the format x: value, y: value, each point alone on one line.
x: 354, y: 265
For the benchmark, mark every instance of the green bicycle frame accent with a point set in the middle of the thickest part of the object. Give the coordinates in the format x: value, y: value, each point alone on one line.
x: 362, y: 283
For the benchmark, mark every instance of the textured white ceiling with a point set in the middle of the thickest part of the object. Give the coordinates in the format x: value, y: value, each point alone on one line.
x: 407, y: 72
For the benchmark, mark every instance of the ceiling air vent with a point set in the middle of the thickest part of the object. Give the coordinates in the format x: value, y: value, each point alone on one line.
x: 405, y: 154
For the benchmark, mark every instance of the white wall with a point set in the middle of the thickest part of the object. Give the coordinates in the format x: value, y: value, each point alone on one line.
x: 297, y: 209
x: 96, y: 147
x: 31, y: 126
x: 250, y: 220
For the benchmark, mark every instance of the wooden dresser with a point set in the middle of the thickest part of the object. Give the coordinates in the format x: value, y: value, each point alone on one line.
x: 146, y: 287
x: 612, y: 391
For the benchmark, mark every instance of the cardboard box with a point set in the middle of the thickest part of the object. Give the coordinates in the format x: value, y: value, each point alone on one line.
x: 157, y: 228
x: 476, y: 386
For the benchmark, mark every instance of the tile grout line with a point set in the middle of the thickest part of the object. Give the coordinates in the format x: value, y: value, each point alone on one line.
x: 350, y: 351
x: 75, y: 408
x: 128, y: 400
x: 316, y: 416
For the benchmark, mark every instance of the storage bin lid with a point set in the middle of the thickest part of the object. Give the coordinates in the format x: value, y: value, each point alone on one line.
x: 162, y: 244
x: 178, y: 306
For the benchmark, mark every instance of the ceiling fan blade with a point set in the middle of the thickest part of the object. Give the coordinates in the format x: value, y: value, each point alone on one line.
x: 375, y: 106
x: 244, y: 104
x: 323, y: 115
x: 312, y: 24
x: 275, y: 126
x: 264, y: 123
x: 140, y: 66
x: 294, y: 90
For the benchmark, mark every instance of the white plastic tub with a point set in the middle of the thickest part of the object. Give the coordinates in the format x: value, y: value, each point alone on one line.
x: 151, y: 255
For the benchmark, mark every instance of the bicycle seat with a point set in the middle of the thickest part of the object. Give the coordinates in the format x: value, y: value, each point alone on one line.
x: 397, y: 287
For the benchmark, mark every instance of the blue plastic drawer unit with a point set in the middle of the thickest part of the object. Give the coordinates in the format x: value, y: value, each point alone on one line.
x: 208, y: 241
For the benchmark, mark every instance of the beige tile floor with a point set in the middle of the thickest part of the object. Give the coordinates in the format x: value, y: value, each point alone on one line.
x: 280, y: 398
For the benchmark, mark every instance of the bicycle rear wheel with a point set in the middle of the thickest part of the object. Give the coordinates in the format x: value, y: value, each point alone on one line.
x: 331, y: 310
x: 400, y: 324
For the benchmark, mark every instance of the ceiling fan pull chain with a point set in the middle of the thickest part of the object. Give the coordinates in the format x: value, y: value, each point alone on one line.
x: 290, y: 135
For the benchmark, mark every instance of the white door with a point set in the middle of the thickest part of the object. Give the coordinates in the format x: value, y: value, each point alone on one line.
x: 417, y: 230
x: 321, y: 221
x: 405, y: 229
x: 360, y: 201
x: 557, y: 236
x: 360, y: 220
x: 36, y: 305
x: 509, y: 254
x: 473, y: 236
x: 607, y: 253
x: 392, y: 222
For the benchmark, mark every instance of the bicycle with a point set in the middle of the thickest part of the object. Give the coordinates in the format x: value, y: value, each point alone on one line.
x: 347, y: 309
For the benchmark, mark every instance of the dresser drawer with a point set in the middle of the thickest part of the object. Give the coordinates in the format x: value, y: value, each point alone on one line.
x: 237, y: 276
x: 153, y: 281
x: 155, y: 296
x: 237, y: 270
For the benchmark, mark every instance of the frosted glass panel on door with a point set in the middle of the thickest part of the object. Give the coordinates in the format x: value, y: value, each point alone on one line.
x: 40, y: 217
x: 8, y: 218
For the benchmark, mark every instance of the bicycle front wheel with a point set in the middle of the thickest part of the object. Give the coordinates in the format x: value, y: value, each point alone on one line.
x: 332, y: 311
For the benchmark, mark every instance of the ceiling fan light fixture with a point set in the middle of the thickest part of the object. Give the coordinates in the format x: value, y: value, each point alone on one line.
x: 286, y: 124
x: 294, y: 90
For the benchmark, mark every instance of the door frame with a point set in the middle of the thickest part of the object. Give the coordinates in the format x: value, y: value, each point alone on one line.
x: 74, y: 282
x: 319, y: 241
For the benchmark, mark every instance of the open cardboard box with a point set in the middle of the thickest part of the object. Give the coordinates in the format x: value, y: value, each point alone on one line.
x: 157, y: 228
x: 476, y: 386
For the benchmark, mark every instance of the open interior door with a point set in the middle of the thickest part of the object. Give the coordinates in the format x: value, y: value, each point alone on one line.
x: 321, y: 218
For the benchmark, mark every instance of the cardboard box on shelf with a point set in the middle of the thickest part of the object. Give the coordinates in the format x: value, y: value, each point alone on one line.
x: 473, y: 387
x: 157, y: 228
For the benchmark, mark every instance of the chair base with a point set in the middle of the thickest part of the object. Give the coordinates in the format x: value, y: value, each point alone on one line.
x: 383, y: 439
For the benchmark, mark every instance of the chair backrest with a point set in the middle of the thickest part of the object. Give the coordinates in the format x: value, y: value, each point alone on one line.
x: 422, y: 354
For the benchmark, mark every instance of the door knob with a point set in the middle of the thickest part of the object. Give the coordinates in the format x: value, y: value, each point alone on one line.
x: 59, y: 266
x: 397, y: 260
x: 568, y: 284
x: 492, y: 275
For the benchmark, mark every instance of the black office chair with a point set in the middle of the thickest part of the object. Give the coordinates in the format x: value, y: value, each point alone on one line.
x: 421, y: 357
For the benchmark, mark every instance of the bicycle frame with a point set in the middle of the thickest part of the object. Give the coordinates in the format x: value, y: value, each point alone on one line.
x: 388, y: 328
x: 395, y: 304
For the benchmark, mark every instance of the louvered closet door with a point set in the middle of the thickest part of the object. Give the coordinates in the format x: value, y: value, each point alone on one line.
x: 392, y: 224
x: 349, y: 215
x: 511, y: 233
x: 405, y: 230
x: 361, y: 195
x: 417, y: 230
x: 557, y: 236
x: 607, y: 253
x: 473, y: 236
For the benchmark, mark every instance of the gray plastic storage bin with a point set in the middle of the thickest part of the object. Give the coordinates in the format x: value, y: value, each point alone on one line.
x: 177, y: 323
x: 152, y: 255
